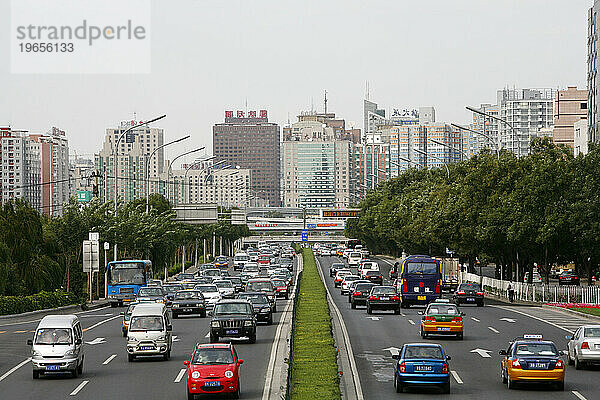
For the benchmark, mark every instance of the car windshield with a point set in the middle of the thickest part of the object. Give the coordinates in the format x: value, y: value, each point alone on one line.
x: 439, y: 309
x: 224, y: 285
x: 421, y: 268
x: 212, y: 357
x: 350, y: 278
x: 383, y: 290
x: 255, y: 298
x: 233, y: 308
x: 355, y: 255
x: 535, y: 349
x: 206, y: 288
x: 591, y: 332
x: 361, y: 287
x: 469, y: 286
x: 235, y: 280
x: 127, y: 274
x: 278, y: 282
x: 428, y: 352
x: 338, y: 265
x: 188, y: 295
x: 172, y: 288
x: 240, y: 258
x: 260, y: 286
x: 185, y: 276
x: 212, y: 272
x: 150, y: 292
x: 221, y: 259
x: 146, y: 323
x: 372, y: 273
x: 53, y: 336
x: 250, y: 269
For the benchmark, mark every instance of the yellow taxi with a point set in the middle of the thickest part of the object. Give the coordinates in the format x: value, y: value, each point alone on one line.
x: 442, y: 318
x: 531, y: 359
x: 126, y: 318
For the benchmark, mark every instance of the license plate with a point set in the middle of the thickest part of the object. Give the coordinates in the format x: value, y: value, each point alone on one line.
x: 423, y: 368
x: 598, y: 347
x: 470, y: 299
x: 212, y: 383
x: 443, y: 329
x: 52, y: 367
x: 539, y: 365
x: 146, y: 348
x: 187, y: 310
x: 232, y: 331
x: 421, y: 297
x: 385, y: 298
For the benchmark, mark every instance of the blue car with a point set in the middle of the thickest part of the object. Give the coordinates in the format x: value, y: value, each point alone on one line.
x: 422, y: 364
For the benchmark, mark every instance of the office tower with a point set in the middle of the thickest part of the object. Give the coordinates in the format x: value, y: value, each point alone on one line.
x: 569, y: 107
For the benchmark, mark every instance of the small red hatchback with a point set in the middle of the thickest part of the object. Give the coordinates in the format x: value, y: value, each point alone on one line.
x: 213, y: 368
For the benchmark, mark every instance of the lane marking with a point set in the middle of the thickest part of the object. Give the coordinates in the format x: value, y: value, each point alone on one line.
x: 475, y: 319
x: 78, y: 388
x: 578, y: 395
x: 101, y: 322
x: 13, y: 369
x: 207, y: 334
x: 2, y: 331
x: 20, y: 331
x: 512, y: 321
x: 456, y: 377
x: 404, y: 315
x: 351, y: 360
x: 374, y: 318
x: 411, y: 321
x: 109, y: 359
x: 492, y: 329
x: 39, y: 319
x: 534, y: 317
x: 179, y: 377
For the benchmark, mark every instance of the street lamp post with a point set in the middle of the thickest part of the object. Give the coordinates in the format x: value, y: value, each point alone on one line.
x: 437, y: 158
x: 115, y: 163
x: 450, y: 147
x: 464, y: 128
x: 512, y: 128
x: 148, y: 159
x: 171, y: 169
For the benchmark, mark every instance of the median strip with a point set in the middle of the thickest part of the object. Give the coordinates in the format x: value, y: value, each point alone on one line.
x: 314, y: 366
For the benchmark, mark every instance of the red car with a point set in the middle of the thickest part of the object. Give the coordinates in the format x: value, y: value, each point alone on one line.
x: 281, y: 288
x: 213, y: 368
x: 264, y: 259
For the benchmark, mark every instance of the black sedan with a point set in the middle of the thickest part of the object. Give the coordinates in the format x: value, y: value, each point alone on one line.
x: 334, y: 267
x: 374, y: 276
x: 188, y: 302
x: 260, y: 304
x: 360, y: 294
x: 568, y: 278
x: 383, y: 298
x: 468, y: 293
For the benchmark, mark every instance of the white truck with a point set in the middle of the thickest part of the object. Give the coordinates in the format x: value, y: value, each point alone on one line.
x: 450, y: 268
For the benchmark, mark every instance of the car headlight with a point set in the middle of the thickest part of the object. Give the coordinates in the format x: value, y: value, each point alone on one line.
x: 228, y: 374
x: 265, y: 310
x: 195, y: 375
x: 161, y: 338
x: 35, y: 353
x: 215, y: 324
x: 175, y: 305
x: 131, y: 339
x: 248, y: 323
x: 69, y: 353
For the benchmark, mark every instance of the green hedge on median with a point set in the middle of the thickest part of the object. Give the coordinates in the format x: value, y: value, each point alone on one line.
x: 314, y: 367
x: 38, y: 301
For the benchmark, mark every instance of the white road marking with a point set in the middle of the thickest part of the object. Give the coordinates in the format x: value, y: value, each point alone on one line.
x: 101, y: 322
x: 404, y: 315
x: 374, y: 318
x: 176, y: 338
x: 109, y: 359
x: 393, y: 350
x: 180, y: 375
x: 578, y: 395
x: 207, y: 334
x: 492, y: 329
x: 534, y: 317
x: 456, y: 377
x: 13, y: 369
x: 475, y: 319
x: 78, y: 388
x: 508, y: 320
x: 98, y: 340
x: 483, y: 353
x: 411, y: 321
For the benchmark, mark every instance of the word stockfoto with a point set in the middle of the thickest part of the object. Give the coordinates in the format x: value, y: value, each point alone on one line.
x: 81, y: 32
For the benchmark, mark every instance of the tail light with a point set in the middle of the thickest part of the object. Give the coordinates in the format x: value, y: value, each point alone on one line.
x: 444, y: 368
x: 585, y: 345
x: 479, y: 293
x: 394, y: 298
x: 404, y: 286
x: 516, y: 363
x: 402, y: 367
x: 459, y: 293
x: 374, y: 298
x: 357, y: 293
x: 438, y: 288
x: 559, y: 364
x: 429, y: 318
x: 457, y: 319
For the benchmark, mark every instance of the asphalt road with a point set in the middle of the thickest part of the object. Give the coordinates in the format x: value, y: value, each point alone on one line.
x: 474, y: 376
x: 108, y: 377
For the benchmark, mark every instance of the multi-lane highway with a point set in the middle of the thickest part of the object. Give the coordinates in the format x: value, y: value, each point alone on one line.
x: 108, y: 374
x: 475, y: 360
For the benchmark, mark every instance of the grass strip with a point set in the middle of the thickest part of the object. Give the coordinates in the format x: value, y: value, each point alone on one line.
x: 591, y: 311
x: 314, y: 367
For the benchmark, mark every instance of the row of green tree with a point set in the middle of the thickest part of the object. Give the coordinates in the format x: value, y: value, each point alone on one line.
x: 39, y: 253
x: 539, y: 210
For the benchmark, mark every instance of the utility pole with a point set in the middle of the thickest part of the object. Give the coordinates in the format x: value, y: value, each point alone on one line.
x: 204, y: 250
x: 183, y: 259
x: 196, y: 253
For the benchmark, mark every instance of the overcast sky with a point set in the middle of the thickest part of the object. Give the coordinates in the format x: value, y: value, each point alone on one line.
x: 279, y: 55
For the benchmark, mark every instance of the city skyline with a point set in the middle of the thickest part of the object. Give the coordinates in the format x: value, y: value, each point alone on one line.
x: 198, y: 93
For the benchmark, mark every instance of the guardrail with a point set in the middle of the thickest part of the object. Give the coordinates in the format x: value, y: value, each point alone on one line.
x: 537, y: 293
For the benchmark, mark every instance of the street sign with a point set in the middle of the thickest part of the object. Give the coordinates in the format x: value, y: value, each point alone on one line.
x: 106, y: 246
x: 91, y: 256
x: 305, y: 235
x: 93, y: 236
x: 84, y: 196
x: 311, y: 226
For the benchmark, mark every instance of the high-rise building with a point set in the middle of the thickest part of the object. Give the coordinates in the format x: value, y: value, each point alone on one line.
x: 488, y: 126
x: 317, y: 164
x: 132, y: 157
x: 580, y: 137
x: 593, y: 80
x: 569, y: 107
x: 526, y: 111
x: 251, y: 142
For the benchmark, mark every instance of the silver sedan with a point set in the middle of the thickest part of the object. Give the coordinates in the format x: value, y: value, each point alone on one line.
x: 584, y: 346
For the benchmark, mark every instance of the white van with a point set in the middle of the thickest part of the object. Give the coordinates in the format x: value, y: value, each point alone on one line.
x: 150, y: 332
x: 354, y: 258
x: 57, y: 346
x: 239, y: 260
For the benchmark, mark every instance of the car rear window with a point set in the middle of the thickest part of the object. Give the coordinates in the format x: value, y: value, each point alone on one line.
x: 421, y: 268
x: 383, y: 290
x: 535, y: 349
x: 442, y: 309
x: 372, y: 273
x: 363, y: 287
x: 468, y: 286
x: 429, y: 352
x: 591, y: 332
